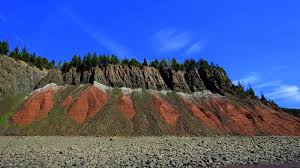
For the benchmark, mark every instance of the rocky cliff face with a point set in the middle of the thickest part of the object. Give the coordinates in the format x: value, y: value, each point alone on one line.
x: 85, y: 107
x: 18, y: 77
x: 146, y: 77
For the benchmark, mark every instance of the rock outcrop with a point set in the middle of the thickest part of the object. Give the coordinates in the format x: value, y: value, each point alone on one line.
x: 86, y: 106
x: 17, y: 77
x: 167, y: 112
x: 126, y: 106
x: 36, y: 107
x: 132, y: 77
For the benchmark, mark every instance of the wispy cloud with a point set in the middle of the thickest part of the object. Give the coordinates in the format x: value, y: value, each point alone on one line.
x: 101, y: 38
x: 252, y: 78
x: 287, y: 92
x: 170, y: 39
x: 268, y: 84
x: 3, y: 18
x: 195, y: 48
x: 276, y: 90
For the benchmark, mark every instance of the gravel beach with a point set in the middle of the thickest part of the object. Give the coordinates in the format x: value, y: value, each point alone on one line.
x: 222, y: 151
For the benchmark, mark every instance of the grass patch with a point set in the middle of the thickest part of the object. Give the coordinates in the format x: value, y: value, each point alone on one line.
x: 9, y: 106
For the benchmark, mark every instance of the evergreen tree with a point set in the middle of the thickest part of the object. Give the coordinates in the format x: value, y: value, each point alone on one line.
x: 25, y: 55
x: 175, y: 65
x: 203, y: 64
x: 39, y: 63
x: 87, y: 62
x: 51, y: 65
x: 15, y: 53
x: 163, y: 64
x: 240, y: 89
x: 134, y: 62
x: 114, y: 60
x: 190, y: 64
x: 125, y: 62
x: 263, y: 98
x: 66, y: 67
x: 76, y: 61
x: 4, y: 48
x: 59, y: 65
x: 250, y: 92
x: 155, y: 64
x: 95, y: 60
x: 145, y: 63
x: 33, y: 59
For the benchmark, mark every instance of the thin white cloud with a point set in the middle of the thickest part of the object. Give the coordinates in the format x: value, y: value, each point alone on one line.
x: 102, y: 39
x: 252, y: 78
x: 287, y: 92
x: 195, y: 48
x: 268, y: 84
x: 170, y: 39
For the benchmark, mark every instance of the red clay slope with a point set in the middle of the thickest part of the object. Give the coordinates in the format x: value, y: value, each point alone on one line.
x: 243, y: 119
x: 67, y: 101
x: 166, y: 111
x: 86, y: 106
x: 125, y: 105
x: 34, y: 108
x: 207, y: 118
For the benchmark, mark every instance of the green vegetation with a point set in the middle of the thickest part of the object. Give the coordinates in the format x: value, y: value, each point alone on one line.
x: 30, y: 58
x: 91, y: 60
x: 9, y: 106
x: 4, y: 48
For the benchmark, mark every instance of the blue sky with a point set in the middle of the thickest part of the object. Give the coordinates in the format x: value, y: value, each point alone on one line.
x: 256, y: 41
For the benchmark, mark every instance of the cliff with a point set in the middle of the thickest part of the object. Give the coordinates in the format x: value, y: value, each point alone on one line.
x: 146, y: 77
x: 17, y: 77
x: 124, y: 100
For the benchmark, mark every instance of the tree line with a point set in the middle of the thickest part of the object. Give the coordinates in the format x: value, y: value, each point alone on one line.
x: 91, y: 60
x: 22, y: 54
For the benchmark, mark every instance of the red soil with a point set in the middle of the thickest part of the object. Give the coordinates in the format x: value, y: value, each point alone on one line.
x: 246, y: 119
x: 126, y: 106
x: 35, y: 108
x: 166, y: 111
x: 207, y: 118
x: 67, y: 101
x: 86, y: 106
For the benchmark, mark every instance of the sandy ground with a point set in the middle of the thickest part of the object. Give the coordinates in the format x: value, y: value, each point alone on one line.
x: 149, y: 151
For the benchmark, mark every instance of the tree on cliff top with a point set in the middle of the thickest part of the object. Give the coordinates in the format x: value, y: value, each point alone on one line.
x: 4, y: 48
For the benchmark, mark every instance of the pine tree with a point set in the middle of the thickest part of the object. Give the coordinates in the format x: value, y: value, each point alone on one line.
x: 203, y: 64
x: 155, y: 64
x: 33, y: 59
x: 175, y: 65
x: 76, y: 61
x: 4, y: 48
x: 134, y: 62
x: 163, y: 64
x: 125, y: 62
x: 15, y: 53
x: 250, y: 92
x: 114, y: 60
x: 25, y: 55
x: 59, y: 65
x: 145, y: 63
x: 95, y: 60
x: 263, y: 98
x: 51, y: 65
x: 66, y: 67
x: 39, y: 63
